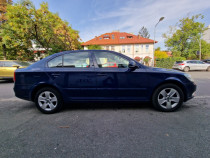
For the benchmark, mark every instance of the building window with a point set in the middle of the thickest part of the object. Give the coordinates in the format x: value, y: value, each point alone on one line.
x: 107, y: 47
x: 128, y: 48
x: 147, y: 48
x: 112, y: 36
x: 129, y: 36
x: 123, y: 49
x: 100, y: 38
x: 122, y: 37
x: 137, y: 48
x: 112, y: 48
x: 142, y: 47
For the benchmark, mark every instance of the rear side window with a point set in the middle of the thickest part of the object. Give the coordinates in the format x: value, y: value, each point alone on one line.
x: 56, y: 62
x: 76, y: 60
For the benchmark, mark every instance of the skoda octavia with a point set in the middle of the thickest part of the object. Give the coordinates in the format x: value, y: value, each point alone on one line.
x: 99, y: 75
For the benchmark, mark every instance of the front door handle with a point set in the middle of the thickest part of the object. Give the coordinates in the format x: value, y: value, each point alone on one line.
x: 55, y: 74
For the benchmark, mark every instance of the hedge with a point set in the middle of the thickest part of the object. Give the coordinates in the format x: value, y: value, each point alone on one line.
x: 167, y: 62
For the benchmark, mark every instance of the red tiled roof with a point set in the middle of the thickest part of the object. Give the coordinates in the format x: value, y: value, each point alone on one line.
x: 100, y: 40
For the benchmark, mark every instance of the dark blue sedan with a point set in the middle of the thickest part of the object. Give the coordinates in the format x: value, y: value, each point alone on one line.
x: 99, y: 75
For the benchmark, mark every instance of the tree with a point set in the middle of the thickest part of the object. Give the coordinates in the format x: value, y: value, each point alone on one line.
x: 160, y: 54
x: 3, y: 10
x: 95, y: 47
x: 26, y: 24
x: 181, y: 40
x: 144, y: 32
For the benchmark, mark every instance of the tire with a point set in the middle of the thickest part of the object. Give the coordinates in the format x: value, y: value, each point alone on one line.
x: 48, y: 100
x: 163, y: 101
x: 186, y: 69
x: 208, y: 68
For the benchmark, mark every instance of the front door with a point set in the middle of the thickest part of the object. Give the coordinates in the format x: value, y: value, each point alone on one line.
x: 114, y: 81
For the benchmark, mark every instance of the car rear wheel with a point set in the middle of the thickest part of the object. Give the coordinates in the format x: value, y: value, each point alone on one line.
x: 186, y: 69
x: 48, y: 100
x: 168, y: 98
x: 208, y: 69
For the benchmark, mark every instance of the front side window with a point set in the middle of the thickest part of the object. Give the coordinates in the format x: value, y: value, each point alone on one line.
x: 76, y: 60
x: 109, y: 60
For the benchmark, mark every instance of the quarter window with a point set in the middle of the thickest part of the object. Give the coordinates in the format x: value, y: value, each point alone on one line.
x: 56, y: 62
x: 109, y: 60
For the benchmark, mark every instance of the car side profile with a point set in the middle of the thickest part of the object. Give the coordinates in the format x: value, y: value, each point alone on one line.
x: 100, y: 75
x: 187, y: 65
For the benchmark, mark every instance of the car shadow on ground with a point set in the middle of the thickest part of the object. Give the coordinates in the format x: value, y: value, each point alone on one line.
x: 6, y: 81
x: 107, y: 106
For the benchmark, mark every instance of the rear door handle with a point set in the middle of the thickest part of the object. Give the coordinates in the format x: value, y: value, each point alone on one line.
x: 101, y: 74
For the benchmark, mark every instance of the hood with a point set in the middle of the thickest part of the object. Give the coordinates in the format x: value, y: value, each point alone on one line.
x: 166, y: 70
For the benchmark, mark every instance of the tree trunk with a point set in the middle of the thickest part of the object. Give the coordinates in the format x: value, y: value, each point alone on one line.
x: 4, y: 51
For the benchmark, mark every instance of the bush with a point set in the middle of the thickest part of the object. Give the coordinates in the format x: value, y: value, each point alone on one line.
x: 167, y: 62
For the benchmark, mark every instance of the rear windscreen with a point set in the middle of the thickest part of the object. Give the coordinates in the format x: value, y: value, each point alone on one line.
x: 178, y: 62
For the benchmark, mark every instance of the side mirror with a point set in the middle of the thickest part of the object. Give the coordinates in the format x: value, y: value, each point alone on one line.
x: 132, y: 65
x: 17, y: 66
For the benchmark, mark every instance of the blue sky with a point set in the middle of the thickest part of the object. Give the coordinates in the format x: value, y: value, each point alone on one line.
x: 95, y: 17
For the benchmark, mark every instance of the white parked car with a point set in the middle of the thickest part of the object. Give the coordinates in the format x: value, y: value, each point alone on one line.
x: 187, y: 65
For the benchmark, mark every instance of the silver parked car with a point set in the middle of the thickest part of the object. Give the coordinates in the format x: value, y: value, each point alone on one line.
x: 187, y: 65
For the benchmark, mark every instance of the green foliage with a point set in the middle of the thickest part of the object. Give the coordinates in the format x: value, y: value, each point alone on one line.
x: 47, y: 30
x: 147, y: 60
x: 182, y: 40
x: 94, y: 47
x: 167, y: 62
x: 144, y: 32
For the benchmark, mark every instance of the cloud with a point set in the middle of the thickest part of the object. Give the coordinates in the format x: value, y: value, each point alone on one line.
x: 131, y: 15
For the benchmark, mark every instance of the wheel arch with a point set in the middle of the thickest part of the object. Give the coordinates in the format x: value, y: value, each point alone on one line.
x: 175, y: 82
x: 40, y: 86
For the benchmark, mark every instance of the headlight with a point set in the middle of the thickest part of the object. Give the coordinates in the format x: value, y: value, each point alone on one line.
x: 188, y: 76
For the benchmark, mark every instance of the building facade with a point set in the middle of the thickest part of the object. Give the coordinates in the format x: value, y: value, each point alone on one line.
x: 125, y: 43
x: 206, y: 35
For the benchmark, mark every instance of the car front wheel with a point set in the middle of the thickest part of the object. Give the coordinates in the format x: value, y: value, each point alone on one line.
x: 168, y: 97
x: 48, y: 100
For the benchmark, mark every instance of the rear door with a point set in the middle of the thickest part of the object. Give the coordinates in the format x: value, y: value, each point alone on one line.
x: 75, y: 75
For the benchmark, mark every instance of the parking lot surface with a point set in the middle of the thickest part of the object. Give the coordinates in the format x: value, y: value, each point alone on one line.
x: 101, y: 130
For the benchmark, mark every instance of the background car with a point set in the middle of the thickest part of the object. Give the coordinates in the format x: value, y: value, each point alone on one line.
x: 207, y: 61
x: 187, y: 65
x: 84, y: 75
x: 8, y: 67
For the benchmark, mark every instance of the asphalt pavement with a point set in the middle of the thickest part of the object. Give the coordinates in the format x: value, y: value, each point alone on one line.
x: 106, y: 130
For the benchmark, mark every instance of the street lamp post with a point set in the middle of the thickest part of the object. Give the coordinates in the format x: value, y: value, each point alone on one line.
x: 153, y: 60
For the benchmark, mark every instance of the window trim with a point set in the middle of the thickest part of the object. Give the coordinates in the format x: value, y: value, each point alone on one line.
x: 63, y: 67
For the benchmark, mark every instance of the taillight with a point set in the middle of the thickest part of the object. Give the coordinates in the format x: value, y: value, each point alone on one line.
x: 181, y: 64
x: 14, y: 77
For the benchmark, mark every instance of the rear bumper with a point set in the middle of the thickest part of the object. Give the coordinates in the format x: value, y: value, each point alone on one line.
x: 22, y: 92
x: 178, y: 67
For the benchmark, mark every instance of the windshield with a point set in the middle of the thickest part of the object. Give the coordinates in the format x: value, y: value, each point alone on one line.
x: 22, y: 63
